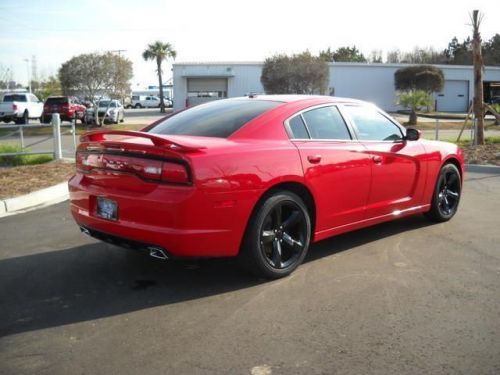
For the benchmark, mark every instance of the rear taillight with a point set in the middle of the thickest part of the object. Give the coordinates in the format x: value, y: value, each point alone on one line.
x: 147, y: 169
x: 174, y: 173
x: 14, y: 107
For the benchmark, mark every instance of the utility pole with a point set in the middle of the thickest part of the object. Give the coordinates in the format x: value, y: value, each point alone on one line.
x: 119, y: 51
x: 28, y: 73
x: 476, y: 19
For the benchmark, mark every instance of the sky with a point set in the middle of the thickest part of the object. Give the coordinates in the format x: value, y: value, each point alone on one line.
x: 224, y: 30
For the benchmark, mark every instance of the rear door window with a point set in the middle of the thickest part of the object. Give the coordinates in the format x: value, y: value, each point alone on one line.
x: 298, y: 128
x: 326, y: 123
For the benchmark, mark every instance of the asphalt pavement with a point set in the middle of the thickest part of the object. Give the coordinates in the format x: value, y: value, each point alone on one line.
x: 406, y: 297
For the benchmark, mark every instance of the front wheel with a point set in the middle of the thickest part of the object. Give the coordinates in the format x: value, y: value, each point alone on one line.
x: 446, y: 195
x: 277, y: 236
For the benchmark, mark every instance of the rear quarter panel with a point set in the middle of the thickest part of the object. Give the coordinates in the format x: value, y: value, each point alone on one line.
x: 233, y: 179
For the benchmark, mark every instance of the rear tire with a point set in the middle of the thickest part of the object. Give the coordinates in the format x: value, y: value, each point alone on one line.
x: 277, y: 236
x: 446, y: 195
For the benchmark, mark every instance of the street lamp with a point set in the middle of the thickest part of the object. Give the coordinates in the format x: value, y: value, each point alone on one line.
x: 28, y: 73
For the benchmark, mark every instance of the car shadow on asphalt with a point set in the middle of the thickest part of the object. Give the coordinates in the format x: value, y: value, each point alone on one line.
x: 93, y: 281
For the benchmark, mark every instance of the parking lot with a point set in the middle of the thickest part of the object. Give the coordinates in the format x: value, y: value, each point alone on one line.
x: 406, y: 297
x: 42, y: 143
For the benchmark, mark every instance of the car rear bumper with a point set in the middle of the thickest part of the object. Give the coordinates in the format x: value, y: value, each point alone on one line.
x: 181, y: 220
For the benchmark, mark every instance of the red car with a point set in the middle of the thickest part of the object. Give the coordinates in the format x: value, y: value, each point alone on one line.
x: 68, y: 107
x: 260, y: 178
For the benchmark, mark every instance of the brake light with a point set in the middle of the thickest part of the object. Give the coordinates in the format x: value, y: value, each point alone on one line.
x: 174, y: 173
x: 14, y: 107
x: 148, y: 169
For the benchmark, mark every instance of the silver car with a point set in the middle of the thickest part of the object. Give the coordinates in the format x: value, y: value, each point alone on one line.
x: 108, y: 111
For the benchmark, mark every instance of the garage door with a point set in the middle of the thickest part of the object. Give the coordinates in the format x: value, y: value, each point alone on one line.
x: 454, y: 97
x: 202, y: 90
x: 207, y: 84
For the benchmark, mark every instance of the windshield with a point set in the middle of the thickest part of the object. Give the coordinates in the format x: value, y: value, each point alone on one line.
x: 105, y: 103
x: 219, y: 118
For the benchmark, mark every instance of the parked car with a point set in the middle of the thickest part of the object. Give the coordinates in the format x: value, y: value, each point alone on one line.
x: 68, y: 108
x: 150, y: 101
x: 108, y: 111
x: 259, y: 178
x: 20, y: 108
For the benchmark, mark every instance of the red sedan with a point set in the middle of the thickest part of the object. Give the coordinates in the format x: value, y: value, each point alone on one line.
x: 260, y: 178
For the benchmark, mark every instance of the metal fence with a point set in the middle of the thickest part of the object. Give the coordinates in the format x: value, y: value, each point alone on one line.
x: 57, y: 132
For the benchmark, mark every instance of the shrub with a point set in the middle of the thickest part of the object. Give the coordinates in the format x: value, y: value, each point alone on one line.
x: 12, y: 161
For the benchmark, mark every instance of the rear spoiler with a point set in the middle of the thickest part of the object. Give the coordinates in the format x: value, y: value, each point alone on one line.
x: 157, y: 140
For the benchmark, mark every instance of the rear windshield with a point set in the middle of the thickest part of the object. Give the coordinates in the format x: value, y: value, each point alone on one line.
x: 219, y: 118
x: 14, y: 98
x: 60, y: 100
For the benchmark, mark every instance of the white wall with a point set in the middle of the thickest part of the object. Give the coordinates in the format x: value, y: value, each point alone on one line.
x: 370, y: 82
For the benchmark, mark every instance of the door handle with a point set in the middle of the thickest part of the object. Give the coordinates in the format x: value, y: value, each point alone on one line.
x: 377, y: 159
x: 314, y: 159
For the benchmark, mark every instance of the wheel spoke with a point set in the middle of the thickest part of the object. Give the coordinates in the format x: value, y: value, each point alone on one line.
x: 277, y: 215
x: 293, y: 244
x: 452, y: 179
x: 292, y: 220
x: 267, y: 236
x: 276, y: 255
x: 452, y: 194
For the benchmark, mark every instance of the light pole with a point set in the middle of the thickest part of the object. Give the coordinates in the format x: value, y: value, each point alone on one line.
x: 28, y: 73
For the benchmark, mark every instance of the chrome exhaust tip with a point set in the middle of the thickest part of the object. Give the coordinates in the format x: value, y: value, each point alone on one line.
x: 85, y: 231
x: 157, y: 252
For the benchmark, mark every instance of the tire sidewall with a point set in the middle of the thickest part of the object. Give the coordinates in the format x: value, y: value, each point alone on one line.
x: 252, y: 245
x: 435, y: 201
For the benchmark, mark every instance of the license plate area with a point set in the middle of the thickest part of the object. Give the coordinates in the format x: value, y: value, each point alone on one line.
x: 107, y: 209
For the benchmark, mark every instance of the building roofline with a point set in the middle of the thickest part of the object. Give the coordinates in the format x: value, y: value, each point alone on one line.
x: 351, y: 64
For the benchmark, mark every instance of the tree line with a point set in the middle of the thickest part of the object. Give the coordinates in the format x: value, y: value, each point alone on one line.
x: 456, y: 53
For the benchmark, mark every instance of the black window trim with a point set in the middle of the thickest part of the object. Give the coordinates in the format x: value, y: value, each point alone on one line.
x: 347, y: 123
x: 378, y: 110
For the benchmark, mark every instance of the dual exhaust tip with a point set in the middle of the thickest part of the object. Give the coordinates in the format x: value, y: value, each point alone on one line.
x: 157, y: 252
x: 154, y: 251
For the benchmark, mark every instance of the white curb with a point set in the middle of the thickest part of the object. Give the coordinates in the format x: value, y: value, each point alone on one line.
x: 51, y: 195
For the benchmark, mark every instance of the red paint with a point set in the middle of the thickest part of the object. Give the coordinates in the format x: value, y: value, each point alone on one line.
x: 218, y: 182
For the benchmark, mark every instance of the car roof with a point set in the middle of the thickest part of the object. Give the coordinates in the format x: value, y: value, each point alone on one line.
x: 289, y: 98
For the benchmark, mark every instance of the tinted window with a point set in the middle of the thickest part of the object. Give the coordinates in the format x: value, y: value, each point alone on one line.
x: 326, y: 123
x: 219, y: 118
x: 298, y: 128
x: 372, y: 125
x: 57, y: 100
x: 14, y: 98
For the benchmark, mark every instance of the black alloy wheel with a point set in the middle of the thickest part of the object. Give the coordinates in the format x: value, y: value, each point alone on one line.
x: 278, y: 236
x: 446, y: 194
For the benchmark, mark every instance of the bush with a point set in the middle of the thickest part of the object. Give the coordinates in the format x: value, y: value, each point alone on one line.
x: 12, y: 161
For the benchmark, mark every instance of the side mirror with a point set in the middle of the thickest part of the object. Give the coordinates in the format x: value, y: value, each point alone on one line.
x: 412, y: 134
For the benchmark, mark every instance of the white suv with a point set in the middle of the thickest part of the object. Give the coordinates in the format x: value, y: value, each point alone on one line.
x: 139, y: 101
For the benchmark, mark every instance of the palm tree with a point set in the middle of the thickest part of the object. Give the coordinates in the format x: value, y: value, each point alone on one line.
x: 159, y: 51
x: 415, y: 100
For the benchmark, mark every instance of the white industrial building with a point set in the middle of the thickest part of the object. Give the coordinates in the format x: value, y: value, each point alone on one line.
x: 196, y: 83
